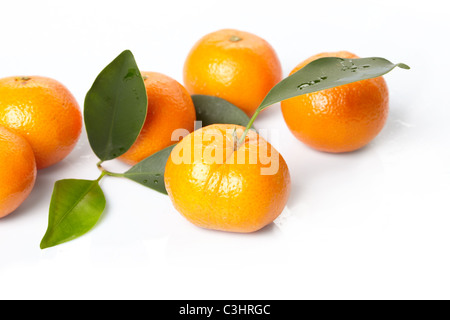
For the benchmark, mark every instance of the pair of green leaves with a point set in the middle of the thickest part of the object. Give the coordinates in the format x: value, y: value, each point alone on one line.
x: 115, y: 110
x: 114, y: 113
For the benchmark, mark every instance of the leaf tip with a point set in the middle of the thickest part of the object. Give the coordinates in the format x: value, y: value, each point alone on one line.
x: 403, y: 66
x: 43, y: 244
x: 47, y: 241
x: 127, y: 52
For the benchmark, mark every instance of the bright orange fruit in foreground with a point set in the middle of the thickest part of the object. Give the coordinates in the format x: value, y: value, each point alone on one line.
x: 170, y: 107
x: 234, y: 65
x: 216, y: 187
x: 339, y: 119
x: 17, y: 170
x: 44, y: 112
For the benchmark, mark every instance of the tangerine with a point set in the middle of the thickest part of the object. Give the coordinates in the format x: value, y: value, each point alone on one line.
x: 17, y: 170
x: 218, y: 185
x: 44, y: 112
x: 170, y: 107
x: 237, y: 66
x: 339, y: 119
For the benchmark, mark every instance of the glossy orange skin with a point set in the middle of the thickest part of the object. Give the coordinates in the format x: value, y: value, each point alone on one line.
x: 17, y: 170
x: 241, y: 72
x: 43, y: 111
x: 340, y: 119
x: 230, y: 195
x: 170, y: 107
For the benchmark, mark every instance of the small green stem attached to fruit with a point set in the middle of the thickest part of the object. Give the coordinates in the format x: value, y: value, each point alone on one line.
x: 23, y: 80
x: 235, y: 38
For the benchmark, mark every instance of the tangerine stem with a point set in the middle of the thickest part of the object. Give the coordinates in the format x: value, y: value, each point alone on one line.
x: 23, y: 78
x: 249, y: 125
x: 235, y: 38
x: 235, y: 140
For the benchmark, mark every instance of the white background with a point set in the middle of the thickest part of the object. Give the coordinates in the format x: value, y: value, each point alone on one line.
x: 373, y: 224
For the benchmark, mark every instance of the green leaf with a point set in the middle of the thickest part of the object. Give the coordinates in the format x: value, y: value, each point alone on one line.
x: 75, y: 207
x: 150, y: 171
x: 115, y: 108
x: 325, y: 73
x: 211, y: 110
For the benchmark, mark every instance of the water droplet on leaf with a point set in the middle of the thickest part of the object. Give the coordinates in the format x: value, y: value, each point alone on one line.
x: 131, y: 73
x: 303, y: 85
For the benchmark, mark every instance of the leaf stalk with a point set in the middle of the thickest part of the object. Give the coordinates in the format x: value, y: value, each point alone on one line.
x: 248, y: 127
x: 107, y: 173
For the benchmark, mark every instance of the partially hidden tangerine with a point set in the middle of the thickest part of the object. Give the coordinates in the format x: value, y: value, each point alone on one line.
x: 44, y: 112
x: 17, y: 170
x: 170, y: 107
x: 234, y: 65
x: 339, y: 119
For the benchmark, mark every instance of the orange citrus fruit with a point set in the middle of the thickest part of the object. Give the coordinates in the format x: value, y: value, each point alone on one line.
x: 218, y: 185
x: 170, y: 107
x: 234, y: 65
x: 44, y: 112
x: 339, y: 119
x: 17, y: 170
